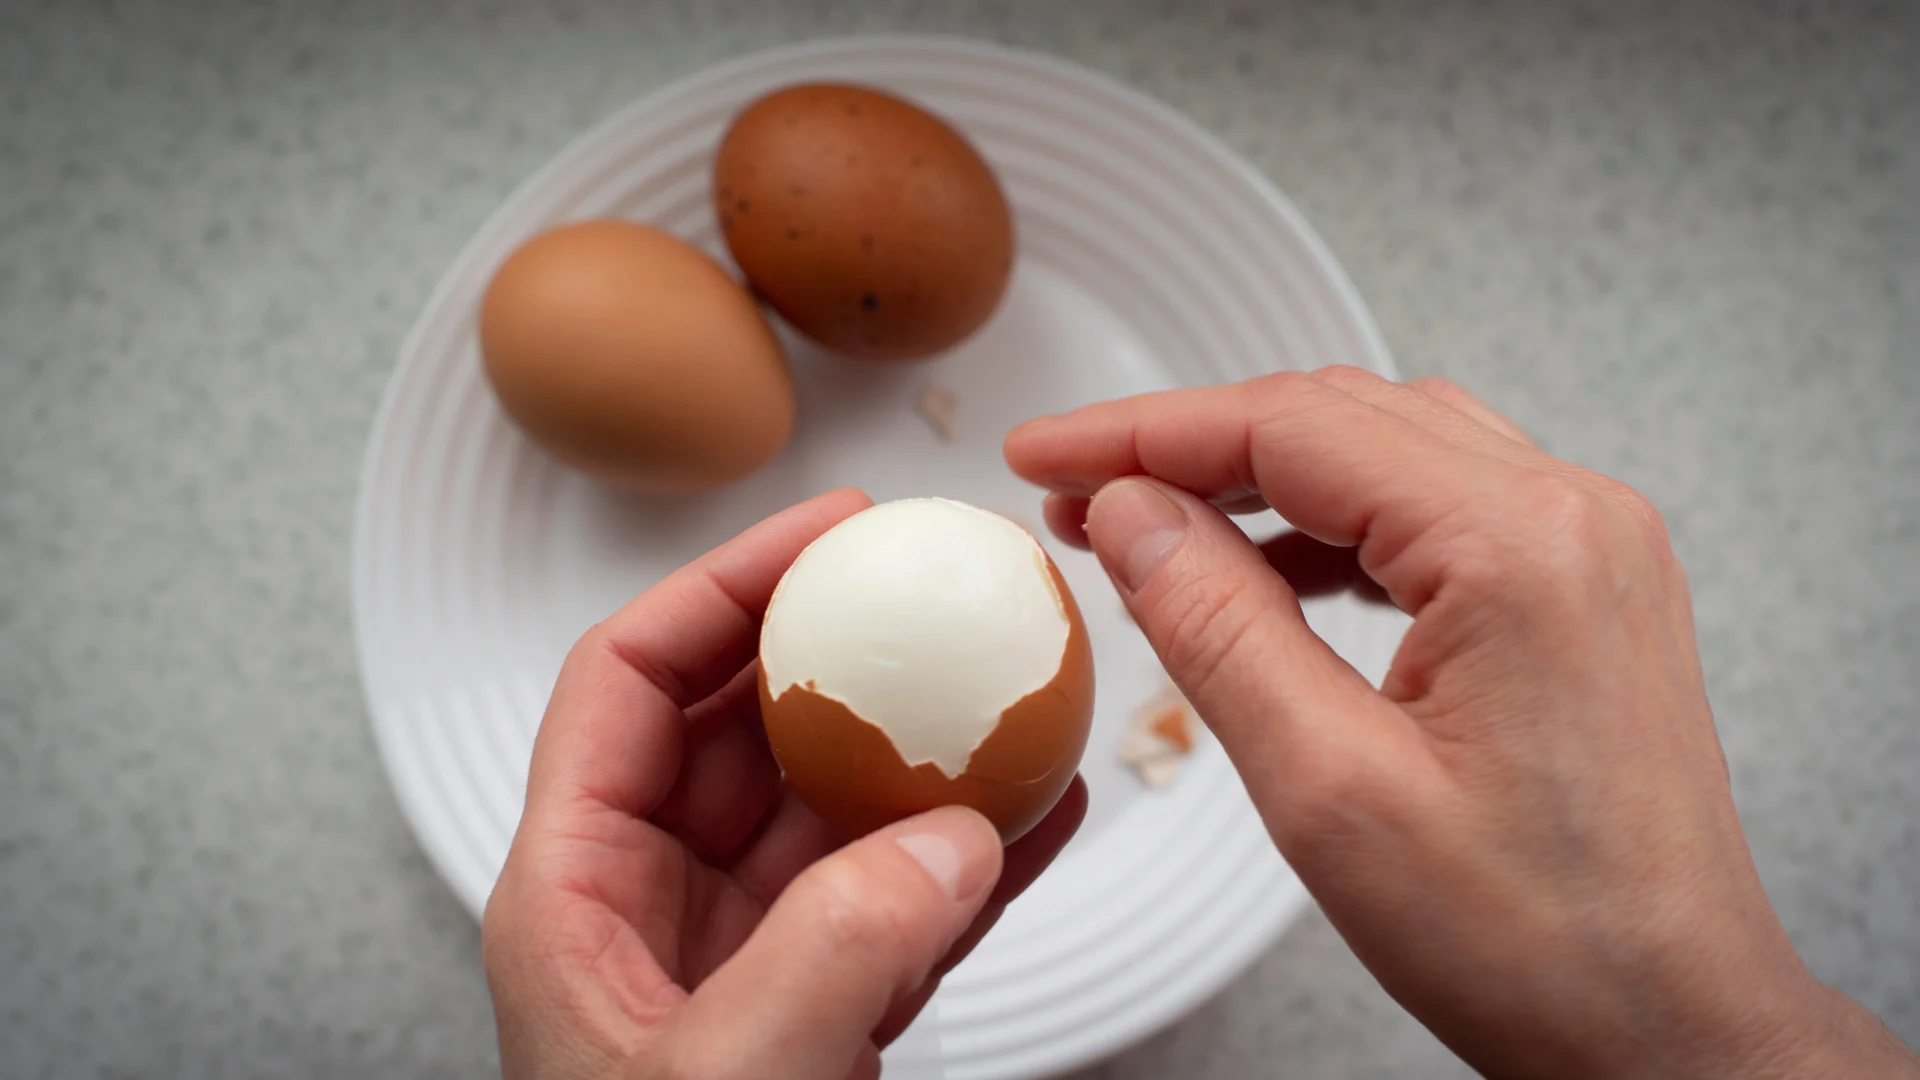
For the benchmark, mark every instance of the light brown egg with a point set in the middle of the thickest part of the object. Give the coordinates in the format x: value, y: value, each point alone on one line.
x: 871, y: 225
x: 924, y: 653
x: 633, y: 357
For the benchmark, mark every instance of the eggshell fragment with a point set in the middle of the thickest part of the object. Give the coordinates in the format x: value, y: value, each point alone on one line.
x: 1159, y: 738
x: 938, y: 406
x: 925, y: 653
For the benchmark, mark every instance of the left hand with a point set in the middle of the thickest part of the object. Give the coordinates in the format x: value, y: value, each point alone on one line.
x: 670, y: 909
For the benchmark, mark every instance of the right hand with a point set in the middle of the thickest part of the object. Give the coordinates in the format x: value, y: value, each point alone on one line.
x: 1527, y: 833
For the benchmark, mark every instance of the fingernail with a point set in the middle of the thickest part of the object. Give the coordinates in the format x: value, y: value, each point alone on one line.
x: 1135, y: 527
x: 956, y: 852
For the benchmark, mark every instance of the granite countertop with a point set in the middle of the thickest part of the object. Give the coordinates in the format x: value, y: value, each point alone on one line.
x: 1678, y: 241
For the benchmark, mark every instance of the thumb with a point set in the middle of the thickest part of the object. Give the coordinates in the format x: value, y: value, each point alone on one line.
x: 855, y: 933
x: 1293, y: 716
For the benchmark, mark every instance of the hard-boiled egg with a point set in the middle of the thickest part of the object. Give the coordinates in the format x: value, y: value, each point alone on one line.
x: 923, y: 653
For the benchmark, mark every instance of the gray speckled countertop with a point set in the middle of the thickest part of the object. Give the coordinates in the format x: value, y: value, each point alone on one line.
x: 1677, y: 240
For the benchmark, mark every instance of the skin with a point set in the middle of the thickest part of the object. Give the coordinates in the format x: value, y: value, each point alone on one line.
x: 1527, y: 832
x: 669, y: 910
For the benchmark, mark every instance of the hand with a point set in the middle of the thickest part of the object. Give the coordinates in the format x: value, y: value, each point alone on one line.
x: 669, y: 910
x: 1527, y: 833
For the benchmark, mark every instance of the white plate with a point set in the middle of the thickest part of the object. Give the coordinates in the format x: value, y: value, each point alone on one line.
x: 1150, y: 257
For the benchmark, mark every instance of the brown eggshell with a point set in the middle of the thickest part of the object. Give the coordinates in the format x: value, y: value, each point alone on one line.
x: 871, y: 225
x: 633, y: 356
x: 848, y: 771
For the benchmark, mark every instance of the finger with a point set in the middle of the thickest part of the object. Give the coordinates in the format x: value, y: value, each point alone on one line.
x: 1312, y: 568
x: 1028, y: 857
x: 801, y: 838
x: 1066, y: 518
x: 1427, y: 411
x: 1457, y: 416
x: 792, y: 839
x: 853, y: 935
x: 1025, y: 860
x: 1461, y: 398
x: 1078, y: 453
x: 906, y: 1010
x: 729, y: 781
x: 612, y: 729
x: 1342, y: 470
x: 867, y: 1065
x: 1067, y: 515
x: 690, y: 634
x: 1288, y: 710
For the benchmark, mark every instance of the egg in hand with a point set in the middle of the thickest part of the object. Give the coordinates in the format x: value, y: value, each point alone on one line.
x: 923, y: 653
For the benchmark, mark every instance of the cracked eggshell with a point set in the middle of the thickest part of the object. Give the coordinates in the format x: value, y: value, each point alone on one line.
x: 924, y: 653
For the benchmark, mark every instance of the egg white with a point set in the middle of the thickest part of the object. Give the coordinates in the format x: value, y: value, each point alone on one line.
x: 927, y: 618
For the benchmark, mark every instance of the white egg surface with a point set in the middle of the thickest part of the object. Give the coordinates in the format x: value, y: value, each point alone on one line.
x: 926, y: 651
x: 960, y: 598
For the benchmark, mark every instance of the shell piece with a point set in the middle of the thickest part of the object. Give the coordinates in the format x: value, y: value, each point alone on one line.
x: 1159, y: 738
x: 938, y: 406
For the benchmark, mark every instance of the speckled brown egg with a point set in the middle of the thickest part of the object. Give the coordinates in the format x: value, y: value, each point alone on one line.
x: 633, y: 356
x: 870, y: 224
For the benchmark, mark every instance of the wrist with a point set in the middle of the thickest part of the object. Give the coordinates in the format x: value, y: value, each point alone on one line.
x: 1841, y: 1038
x: 1803, y: 1029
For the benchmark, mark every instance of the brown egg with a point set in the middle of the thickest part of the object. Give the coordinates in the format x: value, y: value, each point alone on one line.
x: 635, y: 358
x: 867, y: 222
x: 925, y: 653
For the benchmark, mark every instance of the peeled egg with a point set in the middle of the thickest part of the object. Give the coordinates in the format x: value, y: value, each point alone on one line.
x: 869, y: 223
x: 633, y: 356
x: 924, y: 653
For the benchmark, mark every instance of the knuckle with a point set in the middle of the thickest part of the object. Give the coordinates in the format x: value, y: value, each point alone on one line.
x: 1572, y: 534
x: 1282, y: 397
x: 1568, y: 513
x: 1587, y: 528
x: 1348, y: 377
x: 1280, y: 387
x: 1565, y: 537
x: 1445, y: 391
x: 1435, y: 385
x: 1553, y: 536
x: 1639, y: 509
